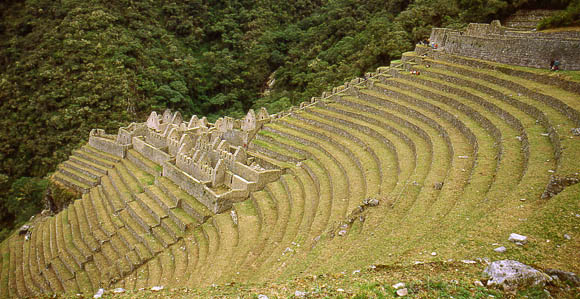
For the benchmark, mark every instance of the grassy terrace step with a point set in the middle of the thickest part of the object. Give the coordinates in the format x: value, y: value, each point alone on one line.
x: 282, y: 153
x: 114, y: 201
x: 141, y: 216
x: 333, y: 209
x: 70, y: 182
x: 379, y: 141
x: 162, y: 236
x: 35, y: 261
x: 408, y: 192
x: 266, y: 211
x: 228, y: 240
x: 154, y: 272
x: 88, y: 172
x: 278, y: 193
x: 84, y: 227
x: 94, y: 167
x: 295, y: 198
x: 544, y: 102
x: 183, y: 219
x: 403, y: 132
x: 479, y: 100
x: 187, y: 202
x: 50, y: 274
x: 72, y: 257
x: 151, y: 206
x: 542, y: 81
x: 459, y: 134
x: 128, y: 177
x: 180, y: 262
x: 82, y: 238
x: 160, y: 198
x: 100, y: 154
x: 93, y: 158
x: 140, y: 233
x: 248, y: 231
x: 515, y: 154
x: 141, y: 176
x: 5, y: 270
x: 172, y: 228
x: 77, y: 175
x: 92, y: 219
x: 367, y: 158
x: 196, y: 248
x: 321, y: 166
x: 16, y: 259
x: 167, y: 262
x: 268, y: 159
x: 143, y: 163
x: 102, y: 215
x: 489, y: 146
x: 28, y: 267
x: 204, y: 266
x: 350, y: 166
x: 123, y: 192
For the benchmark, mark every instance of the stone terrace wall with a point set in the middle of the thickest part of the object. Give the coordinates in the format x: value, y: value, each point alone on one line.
x: 492, y: 42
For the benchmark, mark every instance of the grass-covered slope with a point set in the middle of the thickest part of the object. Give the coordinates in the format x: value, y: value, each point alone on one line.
x: 458, y: 158
x: 69, y: 66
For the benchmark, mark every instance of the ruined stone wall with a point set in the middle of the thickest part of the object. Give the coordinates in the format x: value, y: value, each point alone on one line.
x: 493, y: 43
x: 150, y: 152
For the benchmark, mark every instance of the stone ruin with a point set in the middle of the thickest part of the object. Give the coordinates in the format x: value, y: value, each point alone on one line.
x: 208, y: 161
x: 495, y: 42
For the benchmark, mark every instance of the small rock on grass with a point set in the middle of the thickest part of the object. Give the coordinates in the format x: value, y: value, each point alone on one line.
x: 399, y: 285
x: 299, y: 294
x: 500, y: 249
x: 262, y: 296
x: 119, y: 290
x: 478, y: 283
x: 402, y: 292
x: 99, y: 293
x: 517, y: 238
x: 157, y: 288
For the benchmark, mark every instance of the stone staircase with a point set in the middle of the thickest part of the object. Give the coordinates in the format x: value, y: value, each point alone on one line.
x: 84, y: 169
x: 441, y: 151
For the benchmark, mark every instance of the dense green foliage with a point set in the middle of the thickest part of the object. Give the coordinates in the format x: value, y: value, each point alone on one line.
x: 68, y: 66
x: 568, y: 17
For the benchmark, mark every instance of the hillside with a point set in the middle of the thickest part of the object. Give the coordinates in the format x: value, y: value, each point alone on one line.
x: 87, y: 64
x: 418, y: 168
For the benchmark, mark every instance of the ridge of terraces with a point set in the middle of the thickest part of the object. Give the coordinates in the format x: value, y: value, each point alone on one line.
x: 447, y: 154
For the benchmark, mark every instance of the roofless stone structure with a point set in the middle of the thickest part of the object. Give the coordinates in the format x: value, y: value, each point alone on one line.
x: 208, y: 161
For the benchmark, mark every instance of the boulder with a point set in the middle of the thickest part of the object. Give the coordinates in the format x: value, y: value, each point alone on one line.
x: 512, y: 275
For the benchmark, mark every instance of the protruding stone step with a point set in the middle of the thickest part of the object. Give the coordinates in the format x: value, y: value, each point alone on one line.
x: 191, y: 205
x: 105, y: 156
x: 151, y: 206
x: 161, y: 198
x: 141, y: 216
x: 93, y: 158
x: 70, y: 182
x: 78, y: 176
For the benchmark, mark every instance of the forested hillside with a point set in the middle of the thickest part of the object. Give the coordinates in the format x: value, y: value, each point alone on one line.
x: 67, y: 66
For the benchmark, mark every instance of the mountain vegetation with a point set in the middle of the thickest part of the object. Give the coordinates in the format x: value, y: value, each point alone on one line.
x: 67, y: 66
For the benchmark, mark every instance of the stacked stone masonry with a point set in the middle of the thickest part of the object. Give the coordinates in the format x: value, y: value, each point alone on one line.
x: 494, y: 42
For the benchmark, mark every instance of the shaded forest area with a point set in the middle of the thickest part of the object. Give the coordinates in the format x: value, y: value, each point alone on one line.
x: 67, y: 66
